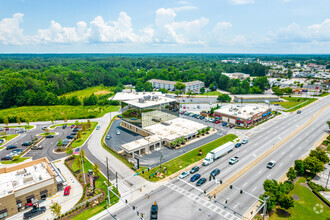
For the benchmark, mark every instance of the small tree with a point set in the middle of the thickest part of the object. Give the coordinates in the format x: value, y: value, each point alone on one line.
x: 15, y: 158
x: 84, y: 127
x: 183, y: 140
x: 299, y: 167
x: 96, y: 169
x: 328, y: 122
x: 78, y: 162
x: 198, y: 132
x: 89, y: 124
x: 69, y: 151
x: 203, y: 131
x: 178, y: 141
x: 27, y: 121
x: 202, y: 90
x: 285, y: 201
x: 18, y: 120
x: 208, y: 129
x: 56, y: 209
x: 291, y: 174
x: 65, y: 119
x: 173, y: 143
x: 47, y: 130
x: 77, y: 123
x: 82, y: 153
x: 60, y: 143
x: 79, y: 135
x: 6, y: 121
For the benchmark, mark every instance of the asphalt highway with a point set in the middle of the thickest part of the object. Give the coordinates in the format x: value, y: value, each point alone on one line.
x: 290, y: 136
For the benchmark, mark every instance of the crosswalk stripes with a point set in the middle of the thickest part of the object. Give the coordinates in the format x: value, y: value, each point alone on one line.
x: 201, y: 201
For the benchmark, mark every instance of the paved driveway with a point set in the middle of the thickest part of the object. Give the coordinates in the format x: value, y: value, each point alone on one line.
x: 124, y: 137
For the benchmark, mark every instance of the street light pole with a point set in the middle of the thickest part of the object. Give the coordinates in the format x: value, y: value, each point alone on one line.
x: 326, y: 186
x: 82, y: 163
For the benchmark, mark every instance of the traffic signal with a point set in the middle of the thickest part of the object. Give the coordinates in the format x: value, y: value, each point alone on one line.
x: 204, y: 191
x: 241, y: 191
x: 142, y: 171
x: 133, y: 207
x: 220, y: 181
x: 141, y: 215
x: 231, y: 186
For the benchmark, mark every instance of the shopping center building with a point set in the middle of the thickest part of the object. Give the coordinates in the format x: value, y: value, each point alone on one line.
x: 23, y: 184
x: 243, y: 115
x: 157, y: 119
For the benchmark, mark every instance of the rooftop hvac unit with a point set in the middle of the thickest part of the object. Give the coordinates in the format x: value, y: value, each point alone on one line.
x: 235, y: 113
x: 244, y: 110
x: 40, y: 177
x: 254, y: 108
x: 147, y: 97
x: 257, y: 107
x: 35, y: 167
x: 15, y: 183
x: 141, y: 100
x: 27, y: 179
x: 154, y: 97
x: 239, y: 112
x: 251, y: 113
x: 230, y: 110
x: 20, y: 172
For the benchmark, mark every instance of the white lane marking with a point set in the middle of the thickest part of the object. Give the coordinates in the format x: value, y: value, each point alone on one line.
x: 254, y: 155
x: 279, y: 138
x: 283, y: 153
x: 291, y: 155
x: 244, y: 184
x: 299, y: 148
x: 236, y: 205
x: 281, y: 164
x: 259, y: 171
x: 268, y: 176
x: 254, y: 188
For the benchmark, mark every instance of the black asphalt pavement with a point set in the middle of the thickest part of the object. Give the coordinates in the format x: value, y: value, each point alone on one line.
x: 124, y: 137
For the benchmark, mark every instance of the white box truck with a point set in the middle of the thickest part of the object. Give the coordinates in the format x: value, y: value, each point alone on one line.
x: 218, y: 152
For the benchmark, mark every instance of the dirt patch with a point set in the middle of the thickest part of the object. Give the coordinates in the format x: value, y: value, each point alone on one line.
x: 101, y: 92
x: 295, y: 197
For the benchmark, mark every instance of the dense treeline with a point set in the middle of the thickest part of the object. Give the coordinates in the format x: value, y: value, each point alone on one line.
x: 39, y: 79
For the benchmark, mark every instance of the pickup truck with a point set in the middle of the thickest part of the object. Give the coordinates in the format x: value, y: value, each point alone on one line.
x: 35, y: 211
x: 233, y: 160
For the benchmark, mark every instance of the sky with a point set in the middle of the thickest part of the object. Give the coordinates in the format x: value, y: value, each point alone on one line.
x: 157, y: 26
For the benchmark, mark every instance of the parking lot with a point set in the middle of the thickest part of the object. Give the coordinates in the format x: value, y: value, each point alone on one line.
x: 49, y: 144
x: 124, y: 137
x: 207, y: 123
x: 18, y: 141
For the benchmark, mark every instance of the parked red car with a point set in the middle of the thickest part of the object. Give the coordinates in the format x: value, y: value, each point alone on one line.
x: 217, y: 122
x: 7, y: 129
x: 67, y: 190
x: 72, y: 126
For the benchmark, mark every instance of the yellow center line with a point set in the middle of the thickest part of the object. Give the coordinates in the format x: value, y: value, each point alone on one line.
x: 238, y: 175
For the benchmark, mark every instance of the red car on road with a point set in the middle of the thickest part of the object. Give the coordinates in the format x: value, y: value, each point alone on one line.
x: 67, y: 190
x: 217, y: 122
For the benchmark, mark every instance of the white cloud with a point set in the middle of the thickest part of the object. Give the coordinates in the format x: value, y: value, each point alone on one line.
x: 183, y: 32
x: 242, y: 2
x: 297, y: 34
x: 185, y: 8
x: 321, y: 31
x: 183, y: 3
x: 10, y: 31
x: 222, y: 26
x: 58, y: 34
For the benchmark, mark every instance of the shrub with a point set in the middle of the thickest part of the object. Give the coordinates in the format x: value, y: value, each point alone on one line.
x: 87, y: 204
x: 315, y: 186
x: 62, y: 215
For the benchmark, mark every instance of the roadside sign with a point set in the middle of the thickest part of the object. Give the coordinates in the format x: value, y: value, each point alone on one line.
x: 136, y: 162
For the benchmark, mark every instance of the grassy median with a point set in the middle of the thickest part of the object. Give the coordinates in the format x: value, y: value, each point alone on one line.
x: 8, y: 137
x: 295, y: 103
x: 84, y: 136
x: 187, y: 159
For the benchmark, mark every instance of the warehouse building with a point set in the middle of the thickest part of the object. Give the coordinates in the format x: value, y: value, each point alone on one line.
x: 256, y: 98
x: 25, y: 184
x: 243, y: 116
x: 193, y: 86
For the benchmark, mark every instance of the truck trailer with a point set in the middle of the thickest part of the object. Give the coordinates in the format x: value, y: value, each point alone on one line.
x: 218, y: 152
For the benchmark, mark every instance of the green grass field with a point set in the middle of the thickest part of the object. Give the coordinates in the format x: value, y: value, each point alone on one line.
x: 188, y: 158
x: 84, y: 136
x: 57, y: 112
x: 214, y: 93
x: 97, y: 90
x: 295, y: 103
x: 304, y: 207
x: 20, y: 159
x: 91, y: 212
x: 8, y: 137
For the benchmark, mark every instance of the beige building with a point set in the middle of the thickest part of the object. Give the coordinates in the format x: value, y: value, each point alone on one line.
x: 193, y: 86
x: 240, y: 76
x: 26, y: 183
x: 243, y: 116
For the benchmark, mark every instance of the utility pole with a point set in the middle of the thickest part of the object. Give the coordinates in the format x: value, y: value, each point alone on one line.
x: 326, y: 186
x: 108, y: 172
x: 117, y: 180
x: 82, y: 163
x: 265, y: 209
x: 160, y: 162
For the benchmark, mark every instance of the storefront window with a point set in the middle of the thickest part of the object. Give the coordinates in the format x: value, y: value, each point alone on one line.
x: 3, y: 213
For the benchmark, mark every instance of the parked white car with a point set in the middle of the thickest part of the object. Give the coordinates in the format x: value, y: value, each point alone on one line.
x: 184, y: 174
